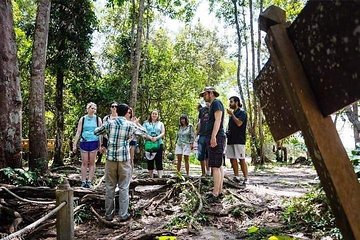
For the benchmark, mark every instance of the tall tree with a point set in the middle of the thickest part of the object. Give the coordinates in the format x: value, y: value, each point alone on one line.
x: 37, y: 132
x: 137, y: 55
x: 239, y: 54
x: 352, y: 112
x: 71, y: 26
x: 10, y: 94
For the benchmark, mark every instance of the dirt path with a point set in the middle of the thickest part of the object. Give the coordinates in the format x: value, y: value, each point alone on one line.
x: 179, y: 208
x: 258, y: 204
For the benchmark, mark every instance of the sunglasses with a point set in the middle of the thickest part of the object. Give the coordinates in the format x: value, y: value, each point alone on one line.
x: 113, y: 106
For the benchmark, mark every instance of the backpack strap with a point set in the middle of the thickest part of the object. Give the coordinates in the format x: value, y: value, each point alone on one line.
x: 82, y: 128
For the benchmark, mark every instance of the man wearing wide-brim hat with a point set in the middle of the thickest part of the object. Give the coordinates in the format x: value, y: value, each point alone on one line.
x: 215, y: 135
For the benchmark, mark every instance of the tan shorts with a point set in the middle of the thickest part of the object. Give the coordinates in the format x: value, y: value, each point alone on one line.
x: 235, y: 151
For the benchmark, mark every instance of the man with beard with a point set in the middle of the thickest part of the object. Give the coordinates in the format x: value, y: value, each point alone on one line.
x: 215, y: 135
x: 236, y: 135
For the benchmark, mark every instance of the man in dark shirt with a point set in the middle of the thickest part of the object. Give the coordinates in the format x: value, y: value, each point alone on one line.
x: 237, y: 137
x: 215, y: 134
x: 202, y: 147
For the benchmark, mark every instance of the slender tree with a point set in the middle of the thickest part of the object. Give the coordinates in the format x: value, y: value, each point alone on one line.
x: 137, y: 56
x: 10, y: 94
x: 37, y: 132
x: 239, y: 54
x: 71, y: 26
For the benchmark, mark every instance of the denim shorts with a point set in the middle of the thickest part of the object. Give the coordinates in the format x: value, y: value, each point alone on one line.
x: 89, y: 146
x: 202, y: 148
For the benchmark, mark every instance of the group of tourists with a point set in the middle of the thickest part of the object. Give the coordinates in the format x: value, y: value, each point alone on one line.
x: 213, y: 141
x: 116, y: 135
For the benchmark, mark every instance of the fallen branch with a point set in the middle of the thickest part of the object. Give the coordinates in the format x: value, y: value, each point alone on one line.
x: 91, y: 197
x: 105, y: 222
x: 167, y: 195
x: 60, y: 168
x: 32, y: 226
x: 151, y: 181
x: 26, y: 200
x: 200, y: 207
x: 99, y: 183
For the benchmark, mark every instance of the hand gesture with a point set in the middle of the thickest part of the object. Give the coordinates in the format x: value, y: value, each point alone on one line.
x: 229, y: 111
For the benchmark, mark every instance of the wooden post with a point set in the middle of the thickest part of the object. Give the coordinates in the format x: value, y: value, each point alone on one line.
x: 327, y: 152
x: 65, y: 216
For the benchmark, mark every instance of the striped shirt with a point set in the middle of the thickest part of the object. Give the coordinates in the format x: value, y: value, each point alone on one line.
x: 120, y: 132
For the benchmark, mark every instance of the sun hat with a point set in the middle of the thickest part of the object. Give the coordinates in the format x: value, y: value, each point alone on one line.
x: 209, y: 89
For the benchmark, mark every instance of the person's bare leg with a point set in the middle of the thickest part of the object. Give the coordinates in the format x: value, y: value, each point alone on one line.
x: 84, y: 165
x: 208, y: 170
x: 92, y: 159
x: 235, y: 166
x: 203, y: 168
x: 187, y: 165
x: 222, y: 180
x: 132, y: 154
x: 217, y: 180
x: 179, y: 159
x: 244, y: 168
x: 151, y: 173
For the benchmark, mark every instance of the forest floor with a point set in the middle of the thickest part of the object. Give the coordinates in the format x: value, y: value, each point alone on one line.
x: 179, y: 207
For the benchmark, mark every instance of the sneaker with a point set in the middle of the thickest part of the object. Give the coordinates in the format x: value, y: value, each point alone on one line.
x: 83, y: 184
x: 236, y: 179
x: 210, y: 198
x: 126, y: 218
x: 89, y: 184
x: 108, y: 218
x: 245, y: 181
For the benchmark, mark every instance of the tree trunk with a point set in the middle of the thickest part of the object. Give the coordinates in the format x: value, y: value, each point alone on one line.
x: 352, y: 113
x: 38, y: 159
x: 59, y: 112
x: 238, y: 72
x: 133, y: 22
x: 10, y: 93
x: 259, y: 39
x: 136, y: 63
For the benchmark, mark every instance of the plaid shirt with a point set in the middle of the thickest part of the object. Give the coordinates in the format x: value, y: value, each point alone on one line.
x: 120, y: 131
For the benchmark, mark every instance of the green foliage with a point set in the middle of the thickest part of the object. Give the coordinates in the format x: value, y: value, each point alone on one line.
x: 20, y: 177
x: 193, y: 160
x: 355, y: 159
x: 82, y: 215
x: 311, y: 213
x: 189, y: 202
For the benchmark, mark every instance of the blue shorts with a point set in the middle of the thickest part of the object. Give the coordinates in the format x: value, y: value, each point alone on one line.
x: 89, y: 146
x: 132, y: 143
x: 202, y: 148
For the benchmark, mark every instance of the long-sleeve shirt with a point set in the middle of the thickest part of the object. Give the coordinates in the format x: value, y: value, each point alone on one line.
x: 119, y: 131
x: 185, y: 135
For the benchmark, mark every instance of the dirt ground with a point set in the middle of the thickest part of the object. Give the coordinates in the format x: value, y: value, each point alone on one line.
x: 154, y: 207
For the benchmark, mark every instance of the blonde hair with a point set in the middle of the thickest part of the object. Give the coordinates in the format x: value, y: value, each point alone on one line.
x: 90, y: 104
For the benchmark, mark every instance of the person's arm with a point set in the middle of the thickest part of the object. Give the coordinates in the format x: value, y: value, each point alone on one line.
x: 161, y: 134
x: 192, y: 137
x: 100, y: 137
x: 237, y: 120
x: 218, y: 115
x: 102, y: 130
x: 77, y: 135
